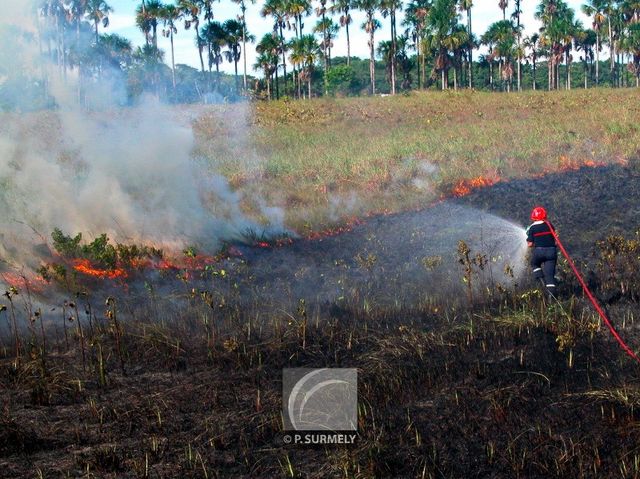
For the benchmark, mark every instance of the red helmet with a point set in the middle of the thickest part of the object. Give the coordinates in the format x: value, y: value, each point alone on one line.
x: 538, y: 213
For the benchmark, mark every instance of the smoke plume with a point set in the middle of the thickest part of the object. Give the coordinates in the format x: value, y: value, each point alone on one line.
x: 124, y: 171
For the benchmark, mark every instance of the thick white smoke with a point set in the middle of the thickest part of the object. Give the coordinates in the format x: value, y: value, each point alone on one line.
x: 124, y: 171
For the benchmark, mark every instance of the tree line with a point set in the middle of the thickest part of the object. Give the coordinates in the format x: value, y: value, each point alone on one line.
x: 429, y: 44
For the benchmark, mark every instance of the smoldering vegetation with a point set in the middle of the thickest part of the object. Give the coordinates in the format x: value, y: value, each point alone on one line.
x: 505, y: 387
x: 86, y: 165
x: 445, y: 252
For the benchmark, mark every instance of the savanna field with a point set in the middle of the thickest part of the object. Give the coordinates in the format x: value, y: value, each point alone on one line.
x: 119, y: 360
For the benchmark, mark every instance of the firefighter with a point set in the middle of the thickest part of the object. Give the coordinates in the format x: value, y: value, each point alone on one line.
x: 545, y: 253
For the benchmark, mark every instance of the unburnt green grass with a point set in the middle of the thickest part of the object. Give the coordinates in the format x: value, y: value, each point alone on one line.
x: 326, y: 158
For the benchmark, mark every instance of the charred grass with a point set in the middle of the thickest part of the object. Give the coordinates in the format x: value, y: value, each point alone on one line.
x: 518, y: 387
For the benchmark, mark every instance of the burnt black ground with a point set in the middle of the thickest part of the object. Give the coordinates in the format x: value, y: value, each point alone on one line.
x: 466, y: 396
x: 584, y: 205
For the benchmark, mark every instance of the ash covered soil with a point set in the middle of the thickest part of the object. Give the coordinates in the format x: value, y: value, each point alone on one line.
x: 516, y: 387
x: 585, y: 205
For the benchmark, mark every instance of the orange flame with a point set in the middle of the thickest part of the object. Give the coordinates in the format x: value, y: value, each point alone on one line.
x: 22, y: 281
x: 464, y: 187
x: 567, y: 164
x: 84, y: 266
x: 348, y: 226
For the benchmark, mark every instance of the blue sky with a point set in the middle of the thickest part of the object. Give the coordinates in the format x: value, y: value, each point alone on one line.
x: 122, y: 19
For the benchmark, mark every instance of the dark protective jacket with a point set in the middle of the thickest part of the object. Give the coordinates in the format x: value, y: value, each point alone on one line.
x: 540, y: 235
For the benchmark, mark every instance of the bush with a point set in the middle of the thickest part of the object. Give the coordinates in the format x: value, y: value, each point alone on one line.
x: 341, y: 81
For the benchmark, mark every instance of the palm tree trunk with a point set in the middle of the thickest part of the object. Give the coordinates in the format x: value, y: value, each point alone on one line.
x: 568, y: 74
x: 393, y: 51
x: 611, y: 54
x: 597, y: 57
x: 586, y: 72
x: 309, y: 84
x: 455, y: 79
x: 533, y: 61
x: 235, y: 67
x: 284, y: 61
x: 519, y: 70
x: 491, y: 75
x: 244, y: 46
x: 470, y: 49
x: 424, y: 62
x: 346, y: 14
x: 173, y: 66
x: 372, y: 67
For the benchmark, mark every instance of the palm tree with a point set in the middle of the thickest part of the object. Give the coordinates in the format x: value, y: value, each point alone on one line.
x: 502, y: 36
x: 116, y: 50
x: 415, y: 18
x: 385, y: 53
x: 442, y: 23
x: 503, y: 4
x: 467, y: 5
x: 234, y: 35
x: 328, y: 30
x: 148, y: 61
x: 268, y: 49
x: 296, y: 9
x: 532, y: 43
x: 98, y: 12
x: 148, y: 14
x: 609, y: 9
x: 388, y: 8
x: 243, y: 20
x: 267, y: 63
x: 585, y: 40
x: 595, y: 9
x: 170, y: 16
x: 304, y: 53
x: 557, y: 23
x: 192, y: 10
x: 457, y: 42
x: 56, y: 12
x: 143, y: 22
x: 370, y: 26
x: 404, y: 62
x: 278, y: 10
x: 215, y: 38
x: 78, y: 10
x: 343, y: 7
x: 516, y: 16
x: 322, y: 27
x: 632, y: 45
x: 572, y: 30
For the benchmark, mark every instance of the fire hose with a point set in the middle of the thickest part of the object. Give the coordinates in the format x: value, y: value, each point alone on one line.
x: 591, y: 297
